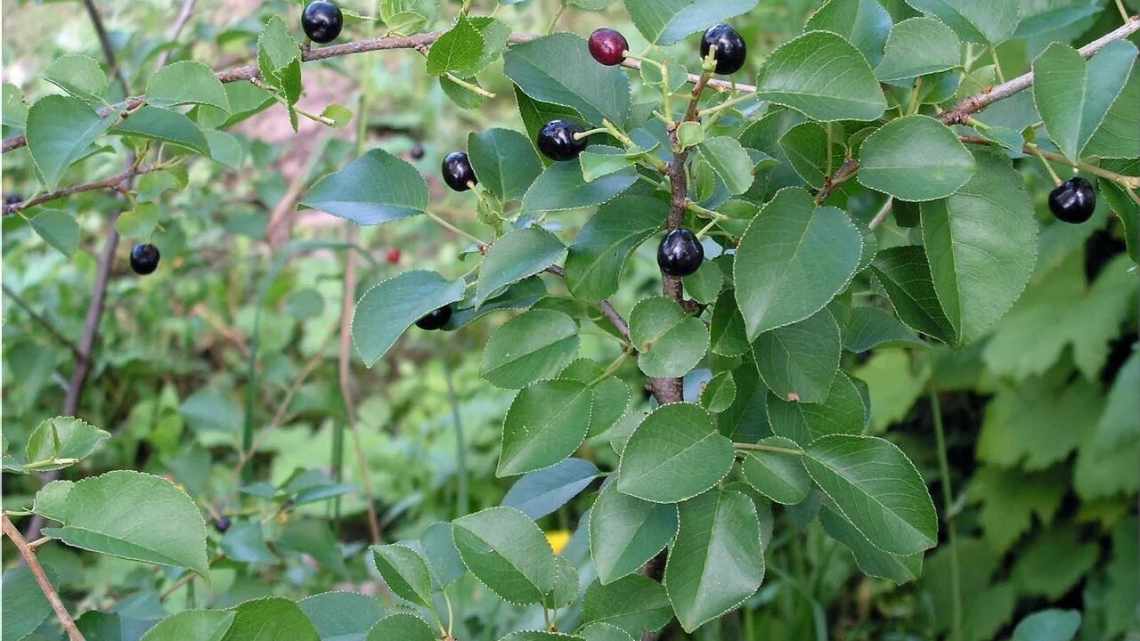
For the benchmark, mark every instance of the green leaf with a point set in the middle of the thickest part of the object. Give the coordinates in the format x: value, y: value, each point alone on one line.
x: 402, y: 626
x: 279, y: 59
x: 166, y: 126
x: 597, y: 258
x: 793, y: 259
x: 63, y: 437
x: 871, y: 560
x: 636, y: 604
x: 603, y: 160
x: 719, y: 393
x: 726, y: 329
x: 540, y: 493
x: 342, y: 616
x: 1054, y: 563
x: 730, y: 162
x: 870, y: 327
x: 80, y: 76
x: 504, y: 161
x: 315, y: 538
x: 604, y: 631
x: 1117, y: 136
x: 60, y: 131
x: 595, y: 91
x: 813, y: 153
x: 14, y: 112
x: 545, y: 424
x: 458, y: 51
x: 669, y: 342
x: 842, y: 412
x: 798, y: 361
x: 139, y: 222
x: 612, y: 395
x: 863, y: 23
x: 848, y: 91
x: 875, y: 487
x: 390, y: 307
x: 539, y: 635
x: 974, y: 20
x: 375, y: 188
x: 665, y: 22
x: 626, y: 532
x: 134, y: 516
x: 561, y: 187
x: 1010, y: 497
x: 1074, y: 96
x: 915, y: 158
x: 439, y: 547
x: 565, y: 590
x: 271, y: 619
x: 24, y: 606
x: 717, y: 561
x: 536, y: 345
x: 58, y: 229
x: 905, y: 274
x: 51, y: 500
x: 918, y: 47
x: 1048, y: 625
x: 1038, y: 423
x: 982, y: 244
x: 192, y: 625
x: 507, y: 552
x: 405, y: 572
x: 519, y: 254
x: 778, y: 476
x: 186, y: 82
x: 674, y: 454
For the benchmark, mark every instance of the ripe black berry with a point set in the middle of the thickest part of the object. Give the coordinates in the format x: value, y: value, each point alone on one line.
x: 322, y: 21
x: 13, y: 198
x: 144, y: 258
x: 1073, y: 201
x: 680, y: 253
x: 222, y: 524
x: 417, y: 152
x: 435, y: 319
x: 730, y: 48
x: 608, y: 46
x: 457, y: 171
x: 556, y: 140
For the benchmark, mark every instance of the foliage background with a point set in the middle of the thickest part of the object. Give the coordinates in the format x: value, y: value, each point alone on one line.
x: 1045, y: 518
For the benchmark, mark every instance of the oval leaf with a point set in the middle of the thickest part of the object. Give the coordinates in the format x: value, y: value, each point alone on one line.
x: 674, y: 454
x: 375, y: 188
x: 626, y: 532
x: 389, y: 308
x: 505, y: 550
x: 519, y: 254
x: 546, y: 423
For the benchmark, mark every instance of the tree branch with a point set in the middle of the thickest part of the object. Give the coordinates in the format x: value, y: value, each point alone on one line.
x: 113, y: 182
x: 845, y: 172
x: 29, y: 555
x: 963, y: 109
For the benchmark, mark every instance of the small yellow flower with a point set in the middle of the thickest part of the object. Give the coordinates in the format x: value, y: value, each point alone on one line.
x: 558, y: 539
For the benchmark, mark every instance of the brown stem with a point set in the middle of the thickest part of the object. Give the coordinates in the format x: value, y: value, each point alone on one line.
x: 845, y: 172
x: 113, y: 182
x: 967, y: 106
x: 29, y: 555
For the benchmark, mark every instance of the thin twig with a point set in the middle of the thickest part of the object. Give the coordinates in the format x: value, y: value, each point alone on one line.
x: 44, y: 323
x: 29, y: 555
x: 883, y: 213
x: 105, y: 43
x: 176, y: 29
x: 113, y: 182
x: 845, y: 172
x: 976, y: 103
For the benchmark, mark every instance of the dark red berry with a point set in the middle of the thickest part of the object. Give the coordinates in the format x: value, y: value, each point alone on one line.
x: 144, y: 259
x: 223, y: 523
x: 393, y: 256
x: 435, y: 319
x: 322, y: 21
x: 730, y: 48
x: 417, y: 152
x: 1073, y: 201
x: 680, y: 253
x: 457, y: 171
x: 556, y: 140
x: 608, y: 46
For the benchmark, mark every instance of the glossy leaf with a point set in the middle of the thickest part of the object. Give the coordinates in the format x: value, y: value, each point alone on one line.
x: 595, y: 91
x: 717, y: 561
x: 779, y: 476
x: 798, y: 361
x: 186, y: 82
x: 63, y: 437
x: 507, y: 552
x: 540, y: 493
x: 636, y: 604
x: 793, y: 259
x: 598, y: 255
x: 665, y: 22
x: 864, y: 23
x: 674, y: 454
x: 533, y: 346
x: 669, y: 341
x: 405, y: 572
x: 871, y: 560
x: 905, y: 274
x: 626, y: 532
x: 518, y: 255
x: 974, y: 20
x: 390, y: 307
x: 841, y: 412
x: 918, y: 47
x: 59, y: 132
x: 504, y: 161
x: 375, y: 188
x: 848, y: 91
x: 403, y: 626
x: 875, y: 487
x: 545, y: 424
x: 561, y: 187
x: 915, y: 158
